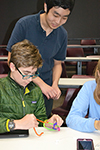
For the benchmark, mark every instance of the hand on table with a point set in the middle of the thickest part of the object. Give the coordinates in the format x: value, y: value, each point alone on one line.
x: 97, y: 124
x: 55, y: 118
x: 27, y: 122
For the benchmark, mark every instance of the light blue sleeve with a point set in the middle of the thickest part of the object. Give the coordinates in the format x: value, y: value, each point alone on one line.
x: 75, y: 118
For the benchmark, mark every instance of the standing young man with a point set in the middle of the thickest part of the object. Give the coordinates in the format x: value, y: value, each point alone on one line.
x: 45, y: 31
x: 21, y: 101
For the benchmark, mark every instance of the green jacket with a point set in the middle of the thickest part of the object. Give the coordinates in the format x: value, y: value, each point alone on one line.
x: 16, y: 102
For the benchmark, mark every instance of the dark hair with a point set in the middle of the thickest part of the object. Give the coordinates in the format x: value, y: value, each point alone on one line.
x: 65, y: 4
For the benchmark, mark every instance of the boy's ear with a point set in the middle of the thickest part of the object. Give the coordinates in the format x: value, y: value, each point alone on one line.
x: 45, y: 7
x: 12, y: 66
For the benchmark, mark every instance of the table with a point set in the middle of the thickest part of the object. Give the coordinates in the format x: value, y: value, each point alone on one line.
x: 83, y: 46
x: 96, y: 47
x: 79, y: 39
x: 3, y: 46
x: 64, y: 139
x: 79, y: 61
x: 2, y: 57
x: 71, y: 46
x: 72, y: 82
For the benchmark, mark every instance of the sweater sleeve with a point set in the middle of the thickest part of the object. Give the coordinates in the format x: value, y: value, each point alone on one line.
x: 3, y: 120
x: 76, y: 118
x: 3, y: 124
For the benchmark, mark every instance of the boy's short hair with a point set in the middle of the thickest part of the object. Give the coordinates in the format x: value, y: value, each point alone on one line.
x: 65, y: 4
x: 25, y: 54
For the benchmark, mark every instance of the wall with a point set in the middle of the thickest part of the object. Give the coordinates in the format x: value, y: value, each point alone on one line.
x: 84, y: 21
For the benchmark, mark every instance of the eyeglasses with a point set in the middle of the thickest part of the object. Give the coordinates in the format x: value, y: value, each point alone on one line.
x: 25, y: 77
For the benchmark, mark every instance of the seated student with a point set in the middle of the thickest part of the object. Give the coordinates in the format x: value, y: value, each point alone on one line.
x: 87, y: 100
x: 21, y: 101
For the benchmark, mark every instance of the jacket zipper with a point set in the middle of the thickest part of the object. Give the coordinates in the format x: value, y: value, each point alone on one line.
x: 23, y: 103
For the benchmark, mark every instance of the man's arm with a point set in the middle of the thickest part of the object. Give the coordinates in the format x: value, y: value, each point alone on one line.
x: 45, y: 88
x: 51, y: 91
x: 57, y: 70
x: 9, y: 55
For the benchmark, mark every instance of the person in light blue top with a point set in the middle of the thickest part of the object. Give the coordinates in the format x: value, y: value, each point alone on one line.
x: 87, y: 101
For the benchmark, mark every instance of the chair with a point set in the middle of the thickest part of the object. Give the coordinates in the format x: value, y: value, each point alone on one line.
x: 88, y: 51
x: 63, y: 110
x: 3, y: 50
x: 90, y: 66
x: 74, y: 52
x: 64, y: 74
x: 4, y: 68
x: 82, y: 76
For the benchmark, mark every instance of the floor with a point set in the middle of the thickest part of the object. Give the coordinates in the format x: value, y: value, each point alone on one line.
x: 59, y: 102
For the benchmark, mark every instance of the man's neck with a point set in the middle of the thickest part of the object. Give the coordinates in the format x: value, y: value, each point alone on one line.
x: 44, y: 24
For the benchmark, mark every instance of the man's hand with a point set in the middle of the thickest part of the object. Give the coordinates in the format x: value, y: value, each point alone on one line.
x: 56, y: 88
x: 49, y: 91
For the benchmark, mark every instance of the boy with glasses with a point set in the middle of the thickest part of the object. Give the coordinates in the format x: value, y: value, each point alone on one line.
x: 21, y: 101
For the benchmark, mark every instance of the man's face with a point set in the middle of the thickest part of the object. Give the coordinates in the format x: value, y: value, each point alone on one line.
x: 15, y: 75
x: 56, y: 17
